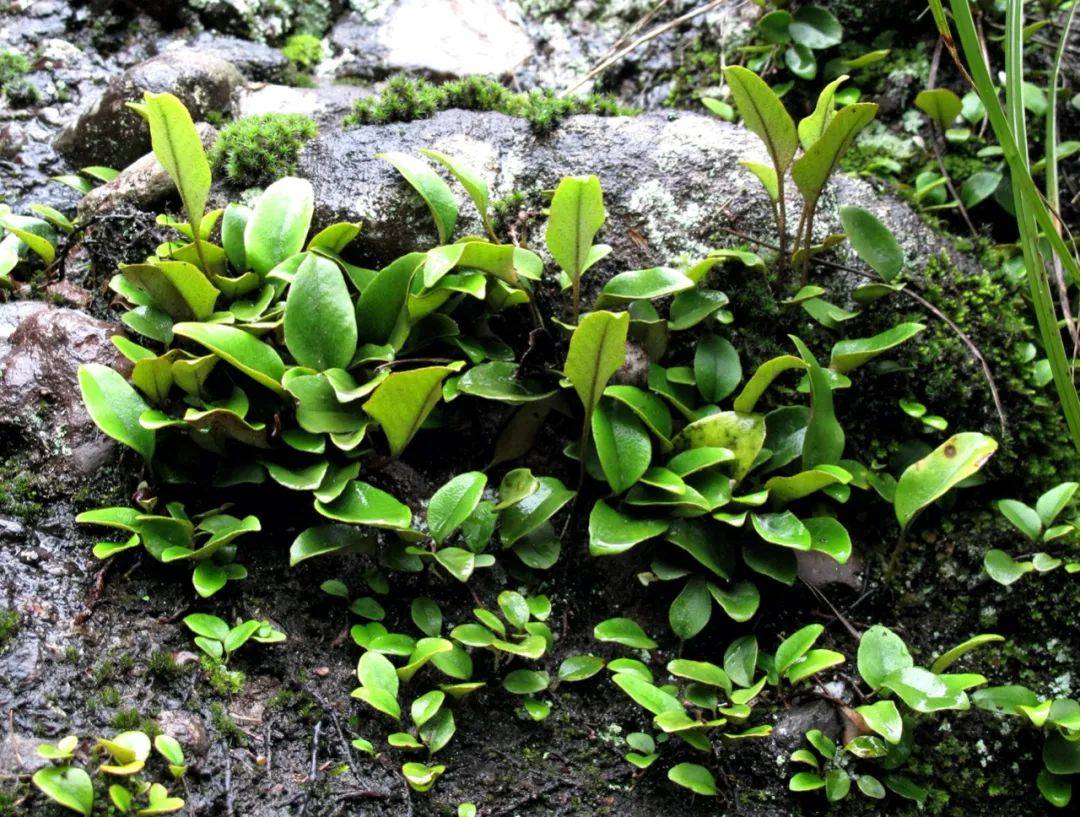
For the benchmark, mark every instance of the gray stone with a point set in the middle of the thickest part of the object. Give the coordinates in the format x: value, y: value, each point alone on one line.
x: 18, y: 755
x: 142, y: 184
x: 326, y: 104
x: 438, y: 38
x: 791, y: 725
x: 109, y: 133
x: 256, y: 61
x: 39, y: 367
x: 818, y: 569
x: 672, y: 183
x: 187, y: 728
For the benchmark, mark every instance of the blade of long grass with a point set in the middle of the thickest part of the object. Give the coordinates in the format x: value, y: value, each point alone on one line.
x: 1052, y: 193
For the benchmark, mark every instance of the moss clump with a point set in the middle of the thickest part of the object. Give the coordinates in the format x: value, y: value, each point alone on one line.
x: 222, y: 680
x: 164, y: 667
x: 304, y: 51
x: 258, y: 150
x: 226, y: 726
x: 20, y: 495
x: 405, y: 100
x: 10, y: 623
x: 13, y: 83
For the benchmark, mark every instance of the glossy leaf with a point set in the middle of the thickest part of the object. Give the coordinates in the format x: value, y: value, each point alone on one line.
x: 278, y: 224
x: 851, y: 353
x: 363, y: 504
x: 742, y: 434
x: 241, y: 349
x: 404, y: 400
x: 576, y: 215
x: 940, y: 104
x: 597, y: 351
x: 622, y: 444
x: 178, y: 148
x: 452, y: 504
x: 694, y: 777
x: 927, y: 480
x: 611, y: 532
x: 691, y: 609
x: 717, y: 369
x: 115, y: 407
x: 432, y: 189
x: 873, y: 241
x: 320, y: 321
x: 68, y: 786
x: 623, y: 631
x: 881, y: 653
x: 815, y: 27
x: 823, y: 443
x: 764, y: 114
x: 469, y: 178
x: 812, y: 170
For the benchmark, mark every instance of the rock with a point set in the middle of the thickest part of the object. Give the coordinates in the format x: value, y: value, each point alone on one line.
x: 791, y: 725
x: 142, y: 184
x: 256, y: 61
x: 818, y: 569
x: 438, y: 38
x: 187, y: 728
x: 267, y: 20
x: 109, y: 133
x: 326, y: 104
x: 671, y: 183
x: 18, y: 755
x: 39, y: 369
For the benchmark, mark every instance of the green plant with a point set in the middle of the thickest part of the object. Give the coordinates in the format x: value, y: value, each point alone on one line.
x: 1037, y: 526
x: 405, y: 99
x: 219, y: 641
x: 124, y: 758
x: 825, y: 136
x: 13, y: 83
x: 257, y: 150
x: 304, y: 51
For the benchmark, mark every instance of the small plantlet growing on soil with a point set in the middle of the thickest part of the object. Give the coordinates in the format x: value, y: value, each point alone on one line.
x: 219, y: 641
x: 1038, y: 527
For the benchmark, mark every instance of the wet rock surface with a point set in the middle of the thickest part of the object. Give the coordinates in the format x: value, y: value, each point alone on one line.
x: 109, y: 133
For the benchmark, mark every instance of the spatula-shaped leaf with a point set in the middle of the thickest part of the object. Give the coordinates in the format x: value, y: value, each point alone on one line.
x: 452, y: 504
x: 823, y: 443
x: 764, y: 114
x: 741, y: 433
x: 942, y: 469
x: 940, y: 104
x: 872, y: 241
x: 382, y: 302
x: 813, y: 126
x: 69, y: 786
x: 363, y: 504
x: 242, y: 349
x: 179, y: 149
x: 177, y: 287
x: 622, y: 444
x: 279, y: 223
x: 597, y: 350
x: 320, y: 322
x: 577, y: 213
x: 470, y: 179
x: 115, y: 406
x: 404, y: 400
x: 233, y: 224
x: 854, y: 352
x: 432, y: 189
x: 612, y: 532
x: 811, y: 171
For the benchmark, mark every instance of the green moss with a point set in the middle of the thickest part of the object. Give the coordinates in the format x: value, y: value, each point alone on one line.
x: 258, y: 150
x: 20, y: 494
x: 126, y: 719
x: 222, y: 680
x: 164, y: 667
x: 226, y: 726
x: 13, y: 84
x: 10, y: 624
x: 304, y: 51
x: 405, y: 100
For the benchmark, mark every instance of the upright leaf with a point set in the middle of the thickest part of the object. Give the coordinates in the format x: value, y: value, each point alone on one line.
x: 813, y: 126
x: 452, y: 504
x: 432, y: 189
x: 811, y: 171
x: 764, y: 114
x: 471, y: 180
x: 279, y: 223
x: 597, y: 351
x: 179, y: 149
x: 320, y: 322
x: 823, y: 443
x: 577, y: 213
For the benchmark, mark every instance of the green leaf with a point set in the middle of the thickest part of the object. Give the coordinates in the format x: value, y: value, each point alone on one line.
x: 470, y: 179
x: 611, y: 532
x: 811, y: 127
x: 526, y: 682
x: 694, y: 777
x: 320, y: 321
x: 742, y: 434
x: 823, y: 443
x: 642, y: 285
x: 851, y: 353
x: 404, y: 400
x: 452, y: 504
x: 424, y: 708
x: 764, y: 114
x: 649, y: 408
x: 576, y: 215
x: 948, y: 658
x: 1002, y: 568
x: 837, y: 785
x: 432, y: 189
x: 622, y: 444
x: 501, y: 380
x: 1054, y: 501
x: 363, y: 504
x: 787, y: 489
x: 1024, y: 518
x: 812, y: 170
x: 784, y: 529
x: 178, y: 148
x: 717, y: 369
x: 884, y: 718
x: 812, y: 663
x: 525, y: 516
x: 740, y: 602
x: 815, y: 28
x: 829, y: 536
x: 68, y: 786
x: 762, y: 378
x: 177, y: 287
x: 623, y: 631
x: 597, y: 351
x: 979, y: 186
x: 691, y: 609
x: 873, y: 242
x: 278, y: 224
x: 579, y: 667
x: 940, y: 104
x: 806, y: 781
x: 924, y: 691
x: 240, y: 349
x: 927, y: 480
x: 647, y: 695
x: 800, y: 61
x: 1056, y: 789
x: 881, y: 653
x: 1061, y: 756
x: 793, y: 647
x: 767, y: 176
x: 115, y: 407
x: 420, y: 777
x: 207, y: 626
x: 324, y: 539
x: 381, y: 307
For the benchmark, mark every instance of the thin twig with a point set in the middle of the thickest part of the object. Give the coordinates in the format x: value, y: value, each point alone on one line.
x: 313, y: 771
x: 652, y: 34
x: 929, y: 307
